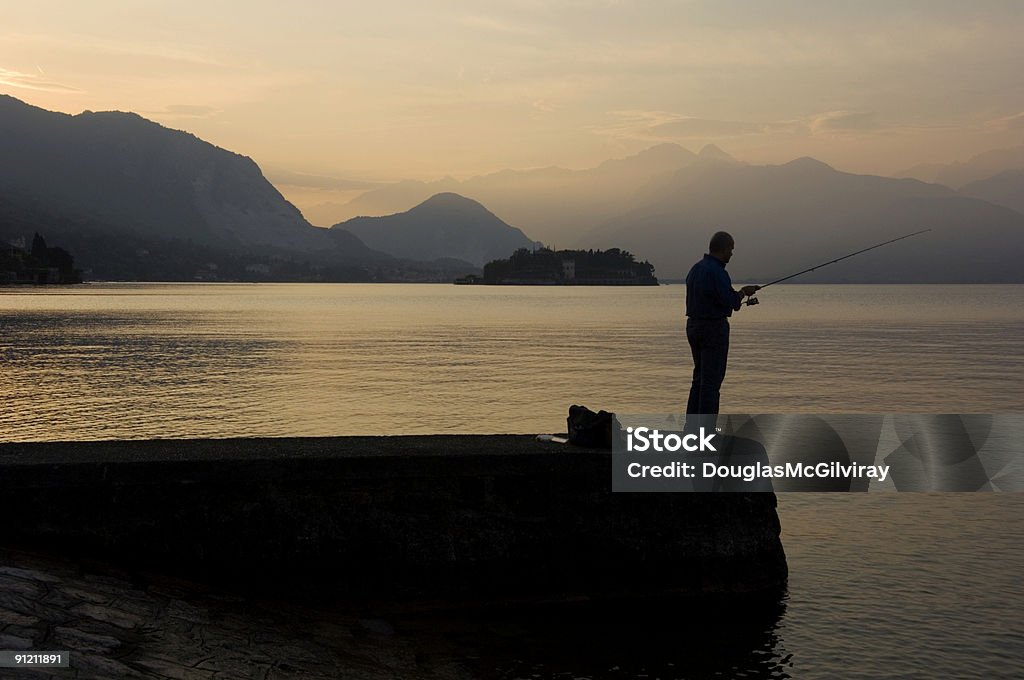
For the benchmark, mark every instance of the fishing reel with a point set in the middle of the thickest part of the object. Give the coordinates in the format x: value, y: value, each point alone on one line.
x: 751, y: 301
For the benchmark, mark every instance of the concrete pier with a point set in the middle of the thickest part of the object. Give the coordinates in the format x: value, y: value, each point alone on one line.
x: 415, y: 518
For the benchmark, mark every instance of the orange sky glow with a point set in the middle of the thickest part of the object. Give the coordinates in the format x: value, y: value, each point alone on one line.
x: 326, y: 96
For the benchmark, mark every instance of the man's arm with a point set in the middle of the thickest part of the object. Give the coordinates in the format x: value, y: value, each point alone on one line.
x: 724, y: 292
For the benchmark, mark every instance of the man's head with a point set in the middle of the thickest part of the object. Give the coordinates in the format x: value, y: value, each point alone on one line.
x: 721, y: 246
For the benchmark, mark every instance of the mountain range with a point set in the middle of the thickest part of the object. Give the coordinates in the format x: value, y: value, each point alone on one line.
x: 976, y: 168
x: 1005, y: 188
x: 555, y: 205
x: 792, y: 216
x: 120, y: 168
x: 134, y: 200
x: 664, y: 203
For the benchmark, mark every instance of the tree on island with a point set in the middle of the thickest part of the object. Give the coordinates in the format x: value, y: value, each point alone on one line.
x: 570, y: 267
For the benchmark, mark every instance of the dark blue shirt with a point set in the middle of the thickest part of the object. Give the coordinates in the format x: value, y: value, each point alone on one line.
x: 709, y: 293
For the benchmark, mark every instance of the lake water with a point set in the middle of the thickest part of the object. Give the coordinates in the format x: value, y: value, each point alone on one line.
x: 882, y: 585
x: 197, y: 360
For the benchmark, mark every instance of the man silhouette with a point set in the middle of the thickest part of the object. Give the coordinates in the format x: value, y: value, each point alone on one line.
x: 710, y: 301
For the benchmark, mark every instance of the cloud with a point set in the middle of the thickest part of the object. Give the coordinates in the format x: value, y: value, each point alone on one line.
x: 704, y: 127
x: 191, y: 110
x: 669, y: 126
x: 185, y: 111
x: 843, y: 121
x: 87, y: 46
x: 34, y: 81
x: 1014, y: 122
x: 503, y: 27
x: 280, y: 176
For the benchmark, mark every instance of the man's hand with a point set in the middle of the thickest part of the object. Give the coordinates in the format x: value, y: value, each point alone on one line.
x: 747, y: 291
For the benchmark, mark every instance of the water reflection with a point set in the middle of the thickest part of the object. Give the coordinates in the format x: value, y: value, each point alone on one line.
x: 154, y: 360
x: 671, y: 639
x: 140, y: 375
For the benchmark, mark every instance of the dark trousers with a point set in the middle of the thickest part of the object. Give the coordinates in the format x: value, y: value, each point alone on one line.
x: 709, y: 344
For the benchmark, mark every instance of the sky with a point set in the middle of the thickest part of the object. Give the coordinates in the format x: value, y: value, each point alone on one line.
x: 329, y: 95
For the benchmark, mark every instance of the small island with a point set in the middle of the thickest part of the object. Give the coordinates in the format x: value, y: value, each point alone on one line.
x: 546, y: 267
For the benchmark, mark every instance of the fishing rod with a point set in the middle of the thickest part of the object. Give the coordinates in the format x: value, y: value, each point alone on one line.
x: 753, y: 300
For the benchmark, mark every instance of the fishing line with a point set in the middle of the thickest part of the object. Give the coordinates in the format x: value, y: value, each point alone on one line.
x: 753, y: 300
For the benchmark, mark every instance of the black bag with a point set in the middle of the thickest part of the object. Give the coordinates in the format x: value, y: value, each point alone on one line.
x: 586, y: 428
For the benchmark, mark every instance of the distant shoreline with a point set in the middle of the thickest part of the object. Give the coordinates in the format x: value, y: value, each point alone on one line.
x: 662, y: 282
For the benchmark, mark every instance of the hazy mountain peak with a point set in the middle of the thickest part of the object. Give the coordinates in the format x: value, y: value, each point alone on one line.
x: 711, y: 151
x: 666, y: 150
x: 807, y: 163
x: 959, y: 174
x: 449, y: 200
x: 1005, y: 188
x: 662, y: 156
x: 445, y: 225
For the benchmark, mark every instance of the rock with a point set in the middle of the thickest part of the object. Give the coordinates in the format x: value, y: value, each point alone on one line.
x: 375, y: 627
x: 13, y: 618
x: 83, y: 642
x: 110, y: 615
x: 14, y: 642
